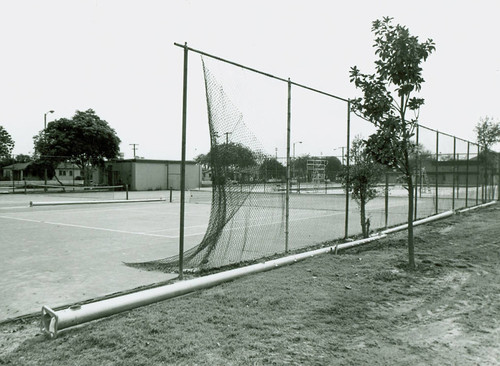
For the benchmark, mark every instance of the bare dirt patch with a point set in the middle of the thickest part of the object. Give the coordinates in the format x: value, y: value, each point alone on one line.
x: 360, y: 307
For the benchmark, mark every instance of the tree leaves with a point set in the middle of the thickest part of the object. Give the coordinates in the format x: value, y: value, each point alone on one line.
x: 85, y: 140
x: 487, y: 132
x: 6, y: 144
x: 398, y: 65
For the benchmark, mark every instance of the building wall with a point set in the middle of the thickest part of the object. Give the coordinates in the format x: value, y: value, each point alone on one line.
x: 118, y: 173
x: 68, y: 173
x: 147, y: 175
x: 150, y: 176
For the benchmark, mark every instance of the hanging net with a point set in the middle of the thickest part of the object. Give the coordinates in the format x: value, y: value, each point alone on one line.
x: 247, y: 216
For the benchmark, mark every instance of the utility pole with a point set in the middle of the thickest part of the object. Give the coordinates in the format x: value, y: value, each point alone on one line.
x: 134, y: 148
x: 227, y: 136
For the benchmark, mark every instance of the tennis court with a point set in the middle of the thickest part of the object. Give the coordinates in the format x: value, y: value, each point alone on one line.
x: 55, y: 255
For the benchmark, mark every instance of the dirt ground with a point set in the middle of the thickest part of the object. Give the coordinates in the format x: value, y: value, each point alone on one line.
x: 362, y: 307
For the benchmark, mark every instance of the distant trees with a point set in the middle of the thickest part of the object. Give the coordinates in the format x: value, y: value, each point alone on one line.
x: 6, y: 144
x: 333, y: 166
x: 388, y: 99
x: 271, y: 168
x: 227, y: 161
x: 487, y: 134
x: 85, y: 140
x: 300, y: 170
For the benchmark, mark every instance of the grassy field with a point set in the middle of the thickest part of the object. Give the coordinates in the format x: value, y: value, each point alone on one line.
x: 361, y: 307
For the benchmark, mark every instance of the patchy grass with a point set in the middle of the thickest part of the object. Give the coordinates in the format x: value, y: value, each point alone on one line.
x: 359, y: 307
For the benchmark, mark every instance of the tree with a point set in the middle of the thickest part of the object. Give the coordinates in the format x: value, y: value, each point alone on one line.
x: 232, y: 155
x: 85, y: 140
x: 271, y: 168
x: 6, y: 144
x: 299, y: 167
x: 203, y: 160
x: 361, y: 179
x: 398, y: 73
x: 333, y: 166
x: 488, y: 134
x: 227, y: 161
x: 23, y: 158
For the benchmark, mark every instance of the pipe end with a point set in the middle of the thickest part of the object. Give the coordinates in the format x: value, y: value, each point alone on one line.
x: 49, y: 322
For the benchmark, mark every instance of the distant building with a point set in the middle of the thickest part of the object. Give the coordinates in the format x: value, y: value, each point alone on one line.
x: 139, y: 174
x: 145, y: 174
x: 66, y: 173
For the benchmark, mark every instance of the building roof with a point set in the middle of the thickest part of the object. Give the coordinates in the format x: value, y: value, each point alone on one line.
x: 158, y: 161
x: 23, y: 166
x: 17, y: 166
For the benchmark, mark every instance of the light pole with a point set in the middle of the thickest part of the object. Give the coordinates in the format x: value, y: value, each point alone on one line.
x: 296, y: 142
x: 45, y: 119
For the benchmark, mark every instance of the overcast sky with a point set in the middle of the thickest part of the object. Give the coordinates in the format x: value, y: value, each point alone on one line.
x: 118, y: 58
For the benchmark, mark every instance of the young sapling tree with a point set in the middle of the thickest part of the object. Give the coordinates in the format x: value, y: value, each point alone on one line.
x: 388, y: 100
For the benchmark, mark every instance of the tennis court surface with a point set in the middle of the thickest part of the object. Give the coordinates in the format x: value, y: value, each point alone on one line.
x: 58, y: 255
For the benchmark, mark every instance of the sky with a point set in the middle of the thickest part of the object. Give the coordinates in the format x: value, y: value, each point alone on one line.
x: 118, y: 58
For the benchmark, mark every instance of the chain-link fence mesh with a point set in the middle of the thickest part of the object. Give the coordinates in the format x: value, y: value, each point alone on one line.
x: 277, y: 150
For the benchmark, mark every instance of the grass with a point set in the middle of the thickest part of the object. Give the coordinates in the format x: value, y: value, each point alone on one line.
x: 360, y: 307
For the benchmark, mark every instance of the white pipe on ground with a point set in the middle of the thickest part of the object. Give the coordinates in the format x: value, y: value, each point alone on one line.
x: 475, y: 207
x: 418, y: 222
x: 60, y: 203
x: 54, y: 321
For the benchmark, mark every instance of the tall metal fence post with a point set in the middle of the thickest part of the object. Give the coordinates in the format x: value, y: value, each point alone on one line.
x: 477, y: 177
x: 467, y: 176
x: 498, y: 179
x: 288, y: 130
x: 386, y: 201
x: 437, y: 172
x: 454, y: 172
x: 417, y: 173
x: 346, y: 226
x: 183, y: 164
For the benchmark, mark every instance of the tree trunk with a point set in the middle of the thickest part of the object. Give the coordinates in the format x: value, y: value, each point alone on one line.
x: 363, y: 218
x: 60, y: 183
x: 86, y: 175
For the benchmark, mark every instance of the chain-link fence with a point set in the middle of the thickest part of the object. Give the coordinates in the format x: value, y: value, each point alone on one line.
x: 276, y: 150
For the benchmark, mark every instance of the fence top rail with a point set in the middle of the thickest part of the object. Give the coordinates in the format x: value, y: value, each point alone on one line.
x: 446, y: 134
x: 185, y: 46
x: 260, y: 72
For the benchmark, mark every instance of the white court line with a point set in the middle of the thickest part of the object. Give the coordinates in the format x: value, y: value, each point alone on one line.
x: 165, y: 236
x: 90, y: 227
x: 176, y: 228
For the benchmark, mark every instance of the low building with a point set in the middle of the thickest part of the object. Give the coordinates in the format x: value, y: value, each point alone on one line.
x: 139, y: 174
x: 148, y: 175
x: 65, y: 173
